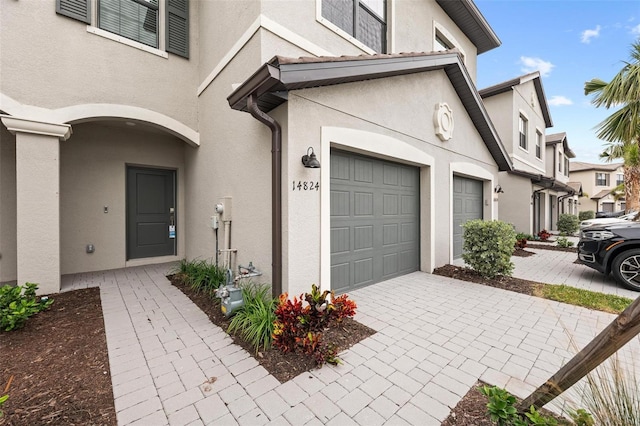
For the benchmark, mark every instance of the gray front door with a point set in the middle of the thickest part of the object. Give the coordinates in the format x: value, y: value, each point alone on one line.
x: 467, y: 205
x: 150, y: 212
x: 375, y: 220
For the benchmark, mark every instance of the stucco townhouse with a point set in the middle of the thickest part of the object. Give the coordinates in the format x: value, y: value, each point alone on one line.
x: 128, y: 124
x: 599, y: 182
x: 535, y: 192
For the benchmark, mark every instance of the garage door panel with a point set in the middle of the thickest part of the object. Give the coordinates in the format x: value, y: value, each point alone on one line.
x: 408, y: 232
x: 410, y: 179
x: 390, y: 264
x: 340, y: 241
x: 363, y: 203
x: 363, y: 171
x: 409, y: 204
x: 408, y: 258
x: 340, y: 167
x: 363, y: 237
x: 340, y: 204
x: 390, y: 234
x: 467, y: 205
x: 383, y: 220
x: 390, y: 204
x: 363, y: 271
x: 340, y: 276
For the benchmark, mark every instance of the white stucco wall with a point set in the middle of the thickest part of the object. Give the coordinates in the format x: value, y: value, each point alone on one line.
x: 92, y: 176
x: 516, y: 205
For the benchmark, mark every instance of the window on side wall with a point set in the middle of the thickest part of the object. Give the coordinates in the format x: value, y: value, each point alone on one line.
x: 566, y: 167
x: 602, y: 179
x: 522, y: 127
x: 538, y: 145
x: 560, y: 161
x: 619, y: 179
x: 364, y: 20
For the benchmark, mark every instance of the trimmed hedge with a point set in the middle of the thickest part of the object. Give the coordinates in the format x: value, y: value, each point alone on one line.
x: 488, y: 246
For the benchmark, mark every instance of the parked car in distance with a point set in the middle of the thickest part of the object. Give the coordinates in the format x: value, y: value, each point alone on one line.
x: 609, y: 214
x: 613, y: 248
x: 607, y: 220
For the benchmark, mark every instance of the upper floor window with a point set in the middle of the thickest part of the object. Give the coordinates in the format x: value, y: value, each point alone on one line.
x: 442, y: 43
x: 566, y: 167
x: 538, y: 144
x: 602, y: 179
x: 619, y: 179
x: 364, y: 20
x: 522, y: 129
x: 136, y: 23
x: 560, y: 162
x: 134, y: 19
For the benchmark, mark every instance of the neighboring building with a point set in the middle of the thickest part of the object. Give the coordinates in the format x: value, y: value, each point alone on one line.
x: 124, y: 125
x: 530, y: 193
x: 598, y: 184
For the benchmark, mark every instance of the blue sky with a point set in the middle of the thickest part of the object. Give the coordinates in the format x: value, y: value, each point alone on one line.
x: 569, y: 42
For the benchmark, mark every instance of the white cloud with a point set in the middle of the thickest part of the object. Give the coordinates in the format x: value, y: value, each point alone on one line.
x: 636, y: 30
x: 587, y: 35
x: 535, y: 64
x: 560, y: 100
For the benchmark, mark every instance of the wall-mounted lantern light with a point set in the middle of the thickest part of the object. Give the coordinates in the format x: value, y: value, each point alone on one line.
x: 309, y: 160
x: 498, y: 190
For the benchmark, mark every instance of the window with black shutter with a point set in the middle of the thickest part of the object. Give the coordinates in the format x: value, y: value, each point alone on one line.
x: 136, y: 20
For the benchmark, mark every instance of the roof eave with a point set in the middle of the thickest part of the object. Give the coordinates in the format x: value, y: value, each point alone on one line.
x: 472, y: 23
x: 277, y: 77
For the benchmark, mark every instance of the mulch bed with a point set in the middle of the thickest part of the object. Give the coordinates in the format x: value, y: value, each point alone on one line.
x: 519, y: 252
x: 283, y: 367
x: 60, y: 366
x: 506, y: 283
x: 472, y: 410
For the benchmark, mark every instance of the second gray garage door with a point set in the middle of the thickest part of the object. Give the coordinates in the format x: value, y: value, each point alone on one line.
x: 375, y: 224
x: 467, y: 205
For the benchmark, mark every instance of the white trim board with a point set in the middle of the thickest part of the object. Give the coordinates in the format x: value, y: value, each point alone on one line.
x: 274, y: 28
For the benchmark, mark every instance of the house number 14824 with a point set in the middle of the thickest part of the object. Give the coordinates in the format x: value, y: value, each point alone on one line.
x: 304, y: 185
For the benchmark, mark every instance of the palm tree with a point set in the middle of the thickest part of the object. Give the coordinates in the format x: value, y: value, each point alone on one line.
x: 622, y: 128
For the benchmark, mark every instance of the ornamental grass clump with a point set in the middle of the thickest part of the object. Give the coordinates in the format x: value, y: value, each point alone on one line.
x: 254, y: 320
x: 301, y: 322
x: 488, y: 246
x: 612, y: 394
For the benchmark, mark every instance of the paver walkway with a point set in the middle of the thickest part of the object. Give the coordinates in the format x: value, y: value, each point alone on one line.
x: 435, y: 337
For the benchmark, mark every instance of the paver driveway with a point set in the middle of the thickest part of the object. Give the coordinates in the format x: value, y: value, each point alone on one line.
x: 435, y: 337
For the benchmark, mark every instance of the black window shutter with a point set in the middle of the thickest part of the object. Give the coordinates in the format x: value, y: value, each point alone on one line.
x: 76, y: 9
x: 177, y: 27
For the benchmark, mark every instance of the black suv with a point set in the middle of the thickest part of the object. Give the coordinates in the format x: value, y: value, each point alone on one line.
x: 613, y: 248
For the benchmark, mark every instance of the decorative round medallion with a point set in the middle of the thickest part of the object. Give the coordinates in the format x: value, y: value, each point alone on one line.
x: 443, y: 121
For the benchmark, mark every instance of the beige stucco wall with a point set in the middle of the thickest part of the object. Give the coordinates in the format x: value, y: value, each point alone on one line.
x: 92, y: 175
x: 51, y: 61
x: 8, y: 258
x: 516, y: 205
x: 526, y: 102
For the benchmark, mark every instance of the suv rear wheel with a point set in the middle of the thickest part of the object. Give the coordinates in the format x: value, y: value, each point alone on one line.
x: 626, y: 269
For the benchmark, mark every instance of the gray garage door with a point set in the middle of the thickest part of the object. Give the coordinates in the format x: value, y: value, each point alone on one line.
x: 375, y: 222
x: 467, y: 205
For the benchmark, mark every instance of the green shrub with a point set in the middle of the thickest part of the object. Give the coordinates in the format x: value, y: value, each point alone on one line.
x: 568, y: 223
x: 586, y: 215
x: 564, y: 242
x: 502, y: 411
x: 3, y: 399
x: 18, y: 303
x: 488, y: 246
x: 254, y: 320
